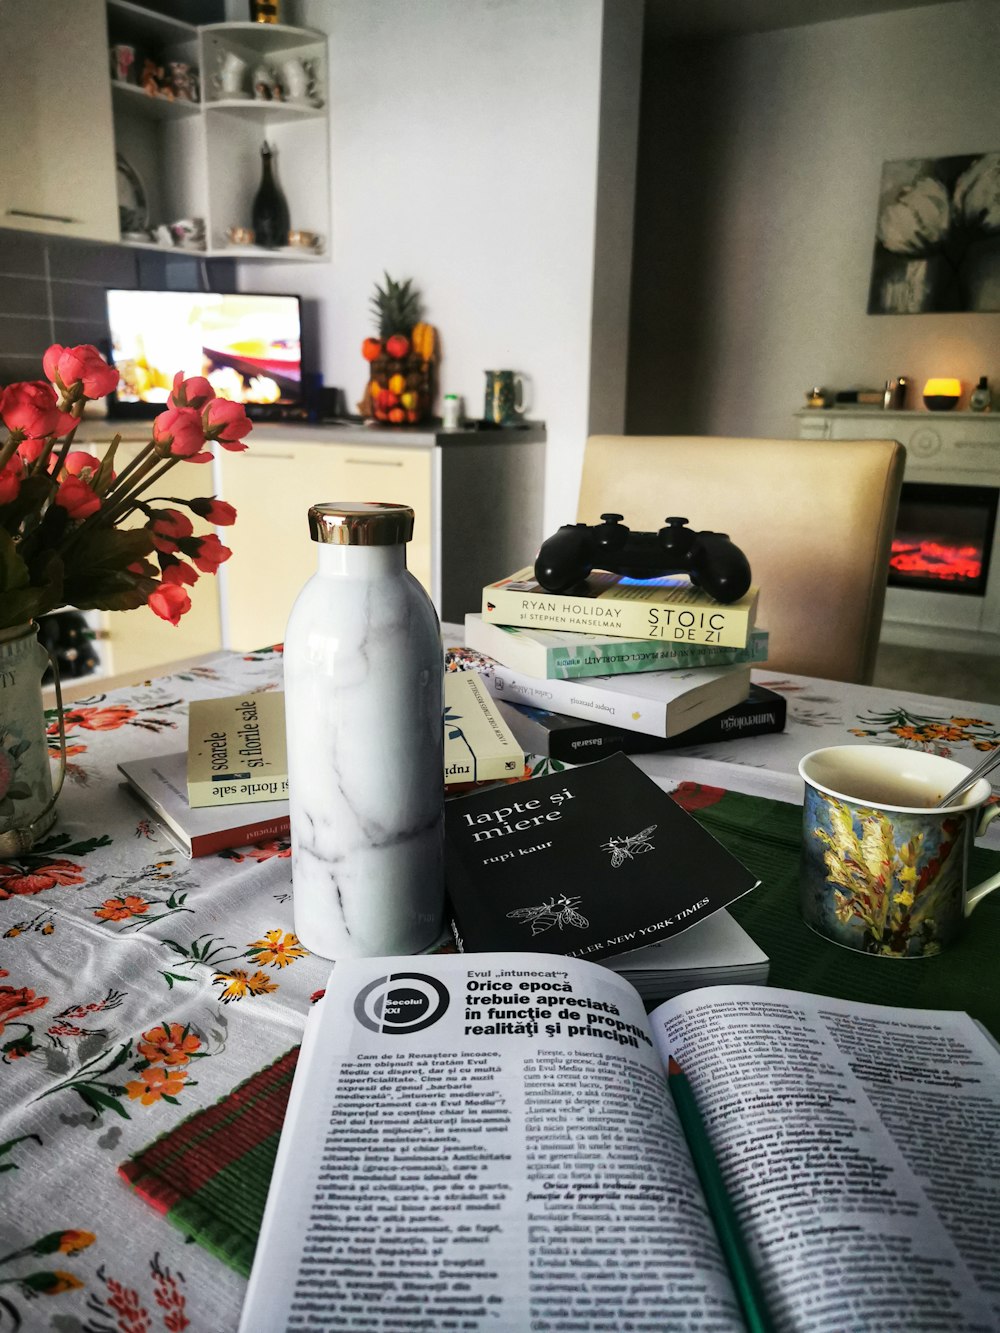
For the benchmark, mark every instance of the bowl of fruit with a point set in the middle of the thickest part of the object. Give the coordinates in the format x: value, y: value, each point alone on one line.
x: 400, y: 358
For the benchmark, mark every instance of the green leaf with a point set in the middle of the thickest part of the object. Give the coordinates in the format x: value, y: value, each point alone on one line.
x: 97, y: 1101
x: 30, y: 499
x: 112, y: 548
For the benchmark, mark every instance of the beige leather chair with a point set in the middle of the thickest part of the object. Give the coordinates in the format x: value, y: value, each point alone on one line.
x: 814, y: 517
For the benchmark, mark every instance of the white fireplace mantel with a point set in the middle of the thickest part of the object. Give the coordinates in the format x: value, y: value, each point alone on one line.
x: 947, y: 449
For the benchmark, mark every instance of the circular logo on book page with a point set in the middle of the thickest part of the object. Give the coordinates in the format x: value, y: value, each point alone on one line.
x: 401, y: 1002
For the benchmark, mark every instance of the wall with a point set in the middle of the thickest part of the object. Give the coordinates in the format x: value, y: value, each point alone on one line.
x: 759, y: 167
x: 53, y: 291
x: 465, y: 153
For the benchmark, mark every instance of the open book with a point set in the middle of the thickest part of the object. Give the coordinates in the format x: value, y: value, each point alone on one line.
x: 490, y: 1141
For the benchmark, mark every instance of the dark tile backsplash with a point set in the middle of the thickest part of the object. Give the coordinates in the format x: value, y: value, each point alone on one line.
x: 52, y: 291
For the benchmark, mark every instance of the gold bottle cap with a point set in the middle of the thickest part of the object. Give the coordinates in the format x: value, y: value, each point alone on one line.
x: 361, y: 523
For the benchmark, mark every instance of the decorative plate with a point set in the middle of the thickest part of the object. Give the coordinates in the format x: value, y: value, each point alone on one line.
x: 133, y: 210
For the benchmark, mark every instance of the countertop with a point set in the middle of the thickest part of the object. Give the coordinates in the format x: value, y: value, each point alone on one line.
x: 99, y: 430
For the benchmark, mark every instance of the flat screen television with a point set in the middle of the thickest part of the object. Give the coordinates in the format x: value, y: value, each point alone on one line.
x: 247, y: 345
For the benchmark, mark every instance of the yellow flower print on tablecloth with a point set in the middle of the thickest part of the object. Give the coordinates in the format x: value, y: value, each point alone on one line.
x: 43, y: 1282
x: 277, y: 949
x: 238, y: 984
x: 936, y: 734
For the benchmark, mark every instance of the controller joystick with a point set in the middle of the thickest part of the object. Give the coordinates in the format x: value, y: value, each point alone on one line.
x: 711, y: 561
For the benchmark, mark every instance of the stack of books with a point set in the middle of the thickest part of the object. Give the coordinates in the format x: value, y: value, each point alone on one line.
x: 621, y: 666
x: 230, y: 787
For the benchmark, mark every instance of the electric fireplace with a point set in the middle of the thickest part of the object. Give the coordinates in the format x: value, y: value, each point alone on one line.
x: 944, y: 538
x: 944, y: 578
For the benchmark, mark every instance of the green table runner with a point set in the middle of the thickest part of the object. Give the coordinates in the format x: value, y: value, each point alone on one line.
x: 209, y: 1176
x: 766, y: 836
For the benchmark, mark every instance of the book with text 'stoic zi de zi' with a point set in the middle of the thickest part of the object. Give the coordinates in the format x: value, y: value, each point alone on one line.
x: 668, y: 608
x: 561, y: 655
x: 591, y: 862
x: 160, y: 783
x: 236, y: 749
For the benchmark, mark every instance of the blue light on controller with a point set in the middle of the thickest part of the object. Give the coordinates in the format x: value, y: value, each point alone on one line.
x: 661, y: 581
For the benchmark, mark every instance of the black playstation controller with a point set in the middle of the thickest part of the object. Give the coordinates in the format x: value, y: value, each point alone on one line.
x: 709, y: 559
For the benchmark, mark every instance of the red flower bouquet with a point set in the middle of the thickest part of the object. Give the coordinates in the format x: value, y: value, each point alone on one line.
x: 73, y: 532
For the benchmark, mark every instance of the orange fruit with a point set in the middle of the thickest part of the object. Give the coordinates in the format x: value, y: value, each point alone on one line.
x: 371, y: 348
x: 396, y: 414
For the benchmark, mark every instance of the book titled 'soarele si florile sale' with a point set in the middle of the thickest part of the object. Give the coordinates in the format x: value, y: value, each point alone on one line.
x: 590, y: 862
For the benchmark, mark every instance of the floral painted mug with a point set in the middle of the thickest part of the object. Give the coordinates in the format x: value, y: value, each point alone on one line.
x: 884, y: 868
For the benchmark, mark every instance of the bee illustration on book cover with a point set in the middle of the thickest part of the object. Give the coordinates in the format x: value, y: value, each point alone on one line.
x: 625, y: 849
x: 558, y: 912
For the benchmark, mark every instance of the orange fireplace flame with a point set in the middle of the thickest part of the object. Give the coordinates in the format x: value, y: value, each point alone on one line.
x: 936, y: 560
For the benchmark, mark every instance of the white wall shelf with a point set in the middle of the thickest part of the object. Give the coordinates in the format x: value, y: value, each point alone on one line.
x: 203, y: 159
x: 136, y: 101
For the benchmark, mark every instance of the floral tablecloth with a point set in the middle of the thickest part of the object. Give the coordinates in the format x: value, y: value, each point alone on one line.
x: 137, y: 987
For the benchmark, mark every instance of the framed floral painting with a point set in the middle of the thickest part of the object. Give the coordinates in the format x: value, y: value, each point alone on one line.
x: 937, y: 236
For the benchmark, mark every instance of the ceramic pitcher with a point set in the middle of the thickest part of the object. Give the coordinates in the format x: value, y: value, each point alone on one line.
x: 27, y: 795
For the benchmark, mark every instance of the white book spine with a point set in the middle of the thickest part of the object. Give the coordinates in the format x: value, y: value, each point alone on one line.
x: 688, y: 697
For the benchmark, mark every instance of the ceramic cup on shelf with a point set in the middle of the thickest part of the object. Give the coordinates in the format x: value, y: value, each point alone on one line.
x: 123, y: 68
x: 296, y: 76
x: 885, y: 868
x: 229, y: 79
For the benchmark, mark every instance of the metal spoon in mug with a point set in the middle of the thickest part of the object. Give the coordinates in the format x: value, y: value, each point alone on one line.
x: 985, y: 766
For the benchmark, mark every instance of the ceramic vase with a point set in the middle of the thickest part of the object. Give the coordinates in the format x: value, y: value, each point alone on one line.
x: 27, y: 793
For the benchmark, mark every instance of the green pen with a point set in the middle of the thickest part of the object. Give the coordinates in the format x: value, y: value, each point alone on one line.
x: 741, y: 1269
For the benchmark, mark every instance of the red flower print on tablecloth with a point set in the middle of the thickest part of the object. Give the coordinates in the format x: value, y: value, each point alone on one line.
x: 695, y: 796
x: 261, y: 851
x: 120, y: 909
x: 162, y: 1073
x: 98, y: 716
x: 169, y: 1044
x: 15, y: 1002
x: 14, y: 881
x: 41, y: 869
x: 154, y: 1083
x: 124, y: 1306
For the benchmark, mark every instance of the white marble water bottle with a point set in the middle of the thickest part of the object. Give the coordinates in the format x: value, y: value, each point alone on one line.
x: 364, y: 707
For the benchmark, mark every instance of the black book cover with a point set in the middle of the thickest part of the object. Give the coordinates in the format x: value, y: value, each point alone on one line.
x: 574, y: 741
x: 590, y: 863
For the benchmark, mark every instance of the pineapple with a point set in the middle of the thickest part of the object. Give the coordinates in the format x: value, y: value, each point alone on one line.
x: 396, y: 307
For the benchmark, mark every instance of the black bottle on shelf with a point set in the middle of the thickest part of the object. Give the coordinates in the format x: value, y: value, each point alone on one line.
x: 270, y: 207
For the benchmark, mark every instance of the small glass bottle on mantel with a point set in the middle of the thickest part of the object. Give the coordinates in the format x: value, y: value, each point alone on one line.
x: 364, y: 709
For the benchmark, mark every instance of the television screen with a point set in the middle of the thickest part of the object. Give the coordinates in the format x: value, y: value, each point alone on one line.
x: 247, y: 346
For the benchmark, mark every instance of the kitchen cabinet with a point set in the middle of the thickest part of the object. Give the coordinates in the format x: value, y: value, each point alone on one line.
x: 476, y: 497
x: 57, y: 161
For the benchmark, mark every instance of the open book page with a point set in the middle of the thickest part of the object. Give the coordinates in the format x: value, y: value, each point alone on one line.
x: 483, y: 1141
x: 861, y: 1147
